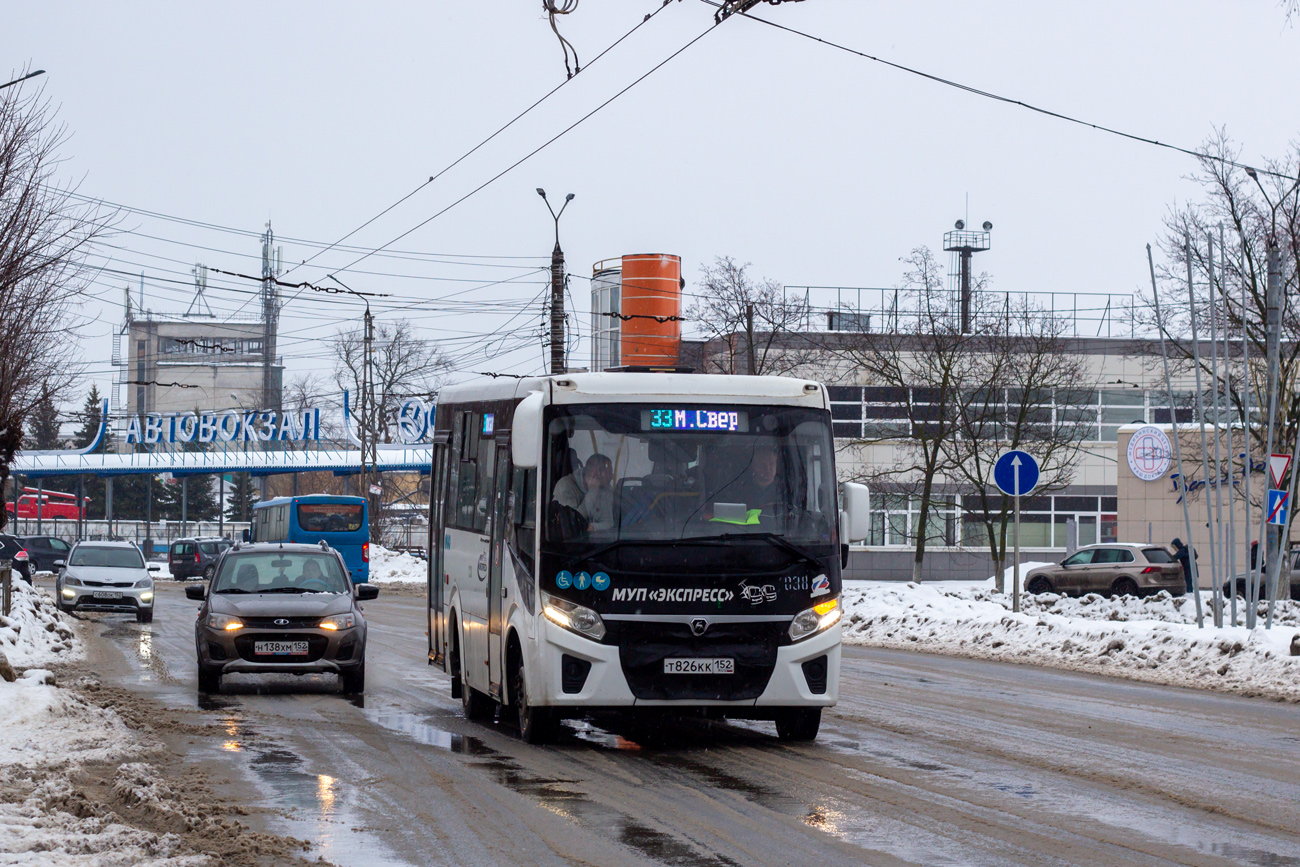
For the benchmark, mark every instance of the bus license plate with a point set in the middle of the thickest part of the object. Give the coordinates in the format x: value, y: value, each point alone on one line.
x: 106, y: 594
x: 699, y: 666
x: 280, y: 648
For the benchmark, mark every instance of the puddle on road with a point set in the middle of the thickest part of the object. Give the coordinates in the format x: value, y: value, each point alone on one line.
x: 559, y: 796
x: 314, y: 807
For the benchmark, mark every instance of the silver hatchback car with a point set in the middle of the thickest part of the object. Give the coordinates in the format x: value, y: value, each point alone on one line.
x: 1120, y: 568
x: 106, y: 576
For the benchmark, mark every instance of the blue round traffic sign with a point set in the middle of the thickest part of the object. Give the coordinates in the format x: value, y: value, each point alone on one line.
x: 1005, y: 474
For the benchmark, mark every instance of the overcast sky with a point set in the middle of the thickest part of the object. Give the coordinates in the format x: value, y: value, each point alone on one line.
x: 816, y: 166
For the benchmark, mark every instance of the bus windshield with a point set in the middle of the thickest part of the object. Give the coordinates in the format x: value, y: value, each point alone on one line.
x: 682, y: 471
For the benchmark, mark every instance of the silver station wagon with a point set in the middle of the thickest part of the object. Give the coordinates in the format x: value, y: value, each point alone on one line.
x: 1120, y: 569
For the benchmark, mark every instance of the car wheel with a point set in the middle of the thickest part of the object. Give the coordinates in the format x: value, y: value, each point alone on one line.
x: 209, y: 681
x: 537, y: 725
x: 144, y: 615
x: 1038, y: 584
x: 209, y: 571
x: 354, y: 681
x: 798, y: 723
x: 1125, y: 587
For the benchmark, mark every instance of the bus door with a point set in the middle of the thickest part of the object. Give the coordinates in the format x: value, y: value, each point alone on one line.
x: 495, y: 584
x: 437, y: 577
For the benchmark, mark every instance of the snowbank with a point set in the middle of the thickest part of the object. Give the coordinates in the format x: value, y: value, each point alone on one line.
x: 36, y: 632
x: 1152, y: 639
x: 396, y: 567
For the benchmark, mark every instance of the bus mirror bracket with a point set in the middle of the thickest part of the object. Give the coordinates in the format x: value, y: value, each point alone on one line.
x: 526, y: 432
x: 856, y: 516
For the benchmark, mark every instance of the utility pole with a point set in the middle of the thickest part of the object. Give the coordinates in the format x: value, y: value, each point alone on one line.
x: 270, y: 318
x: 557, y: 287
x: 368, y: 413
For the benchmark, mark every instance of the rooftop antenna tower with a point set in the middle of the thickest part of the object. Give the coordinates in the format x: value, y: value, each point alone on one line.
x: 965, y: 244
x: 200, y: 272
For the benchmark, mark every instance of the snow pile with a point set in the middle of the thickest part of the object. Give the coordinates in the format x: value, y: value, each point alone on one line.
x: 396, y: 567
x: 43, y: 724
x: 36, y: 632
x: 1153, y: 639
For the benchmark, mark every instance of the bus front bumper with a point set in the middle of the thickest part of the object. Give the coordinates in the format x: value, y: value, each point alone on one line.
x: 606, y: 685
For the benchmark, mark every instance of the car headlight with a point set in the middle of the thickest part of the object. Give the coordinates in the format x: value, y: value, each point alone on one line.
x: 144, y: 582
x: 338, y: 621
x: 225, y: 621
x: 816, y: 619
x: 69, y: 593
x: 146, y: 596
x: 572, y: 616
x: 69, y: 581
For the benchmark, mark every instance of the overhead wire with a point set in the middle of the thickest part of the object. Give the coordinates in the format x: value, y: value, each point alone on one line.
x: 1005, y: 99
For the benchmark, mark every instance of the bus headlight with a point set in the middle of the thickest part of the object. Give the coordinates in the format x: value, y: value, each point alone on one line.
x: 816, y: 619
x: 573, y: 617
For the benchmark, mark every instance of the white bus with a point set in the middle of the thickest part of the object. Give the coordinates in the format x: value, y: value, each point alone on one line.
x: 631, y: 541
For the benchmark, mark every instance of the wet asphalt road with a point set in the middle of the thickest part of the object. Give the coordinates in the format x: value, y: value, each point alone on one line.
x: 926, y: 760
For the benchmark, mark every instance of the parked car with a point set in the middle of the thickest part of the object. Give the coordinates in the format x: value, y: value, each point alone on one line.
x: 106, y: 576
x: 12, y: 549
x: 191, y: 558
x: 1120, y: 568
x: 1242, y: 577
x: 281, y: 608
x: 42, y: 551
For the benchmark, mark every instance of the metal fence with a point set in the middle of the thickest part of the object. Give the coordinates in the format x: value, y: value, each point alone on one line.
x: 153, y: 537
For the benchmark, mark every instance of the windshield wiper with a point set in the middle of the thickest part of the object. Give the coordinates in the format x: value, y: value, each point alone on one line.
x: 603, y: 549
x: 769, y: 537
x: 288, y: 590
x: 230, y: 590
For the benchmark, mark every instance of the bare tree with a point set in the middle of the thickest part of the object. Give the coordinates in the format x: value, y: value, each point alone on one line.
x: 929, y: 365
x: 45, y: 233
x: 753, y: 325
x: 1257, y: 209
x: 1033, y: 392
x: 404, y: 366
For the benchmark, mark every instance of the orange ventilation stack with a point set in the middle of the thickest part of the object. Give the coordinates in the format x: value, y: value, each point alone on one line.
x: 652, y: 298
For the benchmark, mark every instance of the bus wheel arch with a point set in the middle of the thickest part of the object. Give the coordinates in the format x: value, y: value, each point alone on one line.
x: 537, y: 725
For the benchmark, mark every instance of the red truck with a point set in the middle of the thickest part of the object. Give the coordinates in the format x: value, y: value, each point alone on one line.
x: 52, y: 505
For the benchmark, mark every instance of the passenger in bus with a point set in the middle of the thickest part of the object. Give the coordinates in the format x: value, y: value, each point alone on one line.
x: 589, y: 492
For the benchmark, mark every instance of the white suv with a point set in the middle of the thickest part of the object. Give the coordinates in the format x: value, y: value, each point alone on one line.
x: 106, y: 576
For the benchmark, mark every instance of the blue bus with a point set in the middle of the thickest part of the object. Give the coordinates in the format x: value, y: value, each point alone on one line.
x: 341, y: 522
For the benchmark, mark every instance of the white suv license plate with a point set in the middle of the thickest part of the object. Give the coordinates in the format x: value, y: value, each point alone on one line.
x: 106, y: 594
x: 280, y: 648
x: 699, y: 666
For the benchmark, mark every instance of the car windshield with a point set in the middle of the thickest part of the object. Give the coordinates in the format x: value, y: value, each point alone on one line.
x: 111, y: 558
x: 280, y: 572
x: 329, y: 517
x: 664, y: 472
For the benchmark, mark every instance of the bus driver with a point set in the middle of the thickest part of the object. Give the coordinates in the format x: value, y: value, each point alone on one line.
x: 588, y: 491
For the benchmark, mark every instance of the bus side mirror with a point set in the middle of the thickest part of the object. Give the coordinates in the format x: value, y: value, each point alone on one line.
x: 526, y: 432
x: 246, y: 536
x: 855, y: 519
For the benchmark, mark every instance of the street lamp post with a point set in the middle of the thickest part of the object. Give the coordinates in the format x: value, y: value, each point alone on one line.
x: 557, y: 287
x: 24, y: 78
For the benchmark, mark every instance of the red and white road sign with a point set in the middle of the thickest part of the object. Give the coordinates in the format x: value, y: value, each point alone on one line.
x: 1277, y: 467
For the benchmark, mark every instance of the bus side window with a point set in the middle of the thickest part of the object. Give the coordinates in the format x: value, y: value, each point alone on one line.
x: 523, y: 512
x: 467, y: 482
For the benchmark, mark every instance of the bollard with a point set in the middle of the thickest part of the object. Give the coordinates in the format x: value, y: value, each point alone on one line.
x: 6, y: 576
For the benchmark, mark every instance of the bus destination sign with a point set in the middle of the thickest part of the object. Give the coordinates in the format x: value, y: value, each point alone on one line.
x: 695, y: 419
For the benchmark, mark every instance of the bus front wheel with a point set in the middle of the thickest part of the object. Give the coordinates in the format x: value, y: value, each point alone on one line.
x: 798, y: 723
x: 537, y: 725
